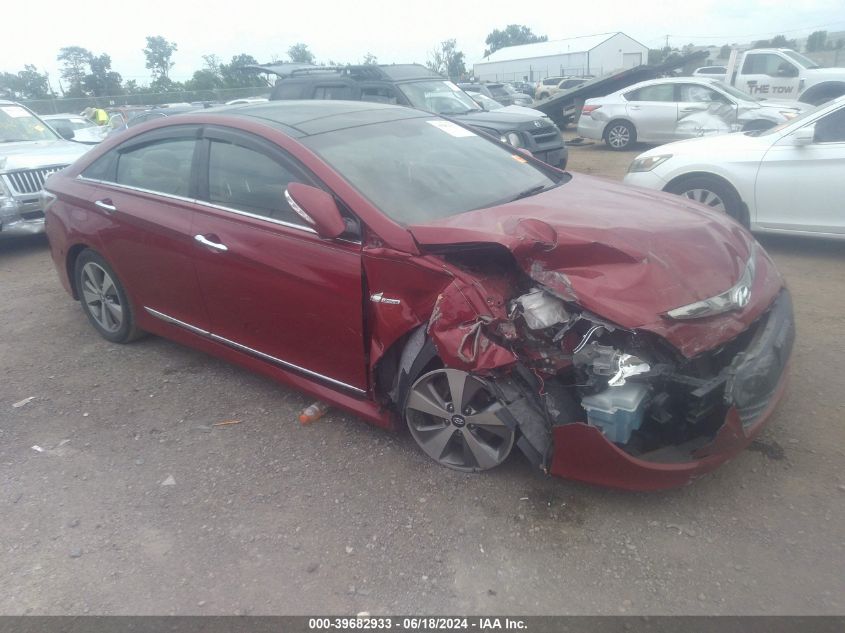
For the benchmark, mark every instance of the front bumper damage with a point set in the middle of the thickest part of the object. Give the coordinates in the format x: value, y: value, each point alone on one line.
x: 720, y: 409
x: 753, y: 385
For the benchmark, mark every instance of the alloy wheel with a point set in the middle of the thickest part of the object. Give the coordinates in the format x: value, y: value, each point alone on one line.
x: 707, y: 198
x: 452, y: 416
x: 618, y: 136
x: 101, y: 298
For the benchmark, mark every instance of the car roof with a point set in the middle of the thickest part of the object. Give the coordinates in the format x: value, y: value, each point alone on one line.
x: 318, y: 116
x: 353, y: 72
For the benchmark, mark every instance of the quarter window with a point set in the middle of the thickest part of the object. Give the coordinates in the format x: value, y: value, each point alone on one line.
x: 163, y: 166
x: 695, y: 93
x: 246, y: 180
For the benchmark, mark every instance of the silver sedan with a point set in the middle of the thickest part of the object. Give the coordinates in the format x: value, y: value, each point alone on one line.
x: 664, y: 110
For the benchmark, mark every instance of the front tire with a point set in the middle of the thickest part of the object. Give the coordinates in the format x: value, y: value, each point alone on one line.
x: 712, y: 193
x: 620, y: 135
x: 103, y: 298
x: 451, y: 414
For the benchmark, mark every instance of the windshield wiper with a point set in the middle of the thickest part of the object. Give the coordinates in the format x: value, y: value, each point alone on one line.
x: 530, y: 192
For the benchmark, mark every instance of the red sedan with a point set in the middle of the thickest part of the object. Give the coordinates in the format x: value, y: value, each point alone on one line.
x: 414, y: 272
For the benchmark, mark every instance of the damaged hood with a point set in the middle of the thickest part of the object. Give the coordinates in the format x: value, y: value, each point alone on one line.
x: 625, y: 254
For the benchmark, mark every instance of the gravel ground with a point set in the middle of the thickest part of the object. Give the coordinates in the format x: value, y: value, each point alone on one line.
x: 137, y: 504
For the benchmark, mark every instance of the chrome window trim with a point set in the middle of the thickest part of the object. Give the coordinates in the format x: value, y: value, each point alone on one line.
x: 290, y: 225
x: 171, y: 196
x: 277, y: 361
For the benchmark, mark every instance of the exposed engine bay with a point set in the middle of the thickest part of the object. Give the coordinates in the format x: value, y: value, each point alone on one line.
x: 560, y: 364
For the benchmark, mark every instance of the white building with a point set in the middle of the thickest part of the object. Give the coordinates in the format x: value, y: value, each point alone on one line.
x: 588, y: 55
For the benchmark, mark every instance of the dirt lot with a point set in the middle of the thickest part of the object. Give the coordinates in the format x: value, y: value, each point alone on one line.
x: 267, y: 516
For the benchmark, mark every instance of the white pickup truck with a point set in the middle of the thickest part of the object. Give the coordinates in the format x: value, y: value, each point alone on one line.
x: 781, y: 73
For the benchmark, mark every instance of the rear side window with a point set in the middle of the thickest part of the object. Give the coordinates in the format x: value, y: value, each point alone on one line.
x: 378, y: 94
x: 246, y: 180
x: 662, y: 92
x: 162, y: 166
x: 287, y: 90
x: 333, y: 92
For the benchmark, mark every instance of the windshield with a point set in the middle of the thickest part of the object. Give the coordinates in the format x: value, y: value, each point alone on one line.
x: 440, y: 97
x: 418, y: 170
x: 19, y: 124
x: 485, y: 102
x: 806, y: 62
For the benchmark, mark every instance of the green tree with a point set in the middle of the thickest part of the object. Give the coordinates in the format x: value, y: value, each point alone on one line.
x: 102, y: 80
x: 778, y: 41
x: 725, y: 51
x: 74, y: 61
x: 816, y: 41
x: 300, y: 53
x: 11, y: 86
x: 447, y: 60
x: 369, y: 58
x: 33, y: 84
x: 132, y: 88
x: 236, y: 75
x: 512, y: 35
x: 159, y: 53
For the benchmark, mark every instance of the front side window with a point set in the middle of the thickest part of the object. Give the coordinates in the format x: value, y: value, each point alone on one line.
x: 698, y: 93
x: 162, y: 166
x: 378, y: 94
x: 440, y: 97
x: 831, y: 129
x: 768, y: 64
x: 243, y: 179
x: 418, y: 170
x: 661, y: 92
x: 19, y: 124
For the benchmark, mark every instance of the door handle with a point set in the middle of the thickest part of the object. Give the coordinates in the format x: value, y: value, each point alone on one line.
x: 106, y: 205
x: 215, y: 245
x: 635, y: 107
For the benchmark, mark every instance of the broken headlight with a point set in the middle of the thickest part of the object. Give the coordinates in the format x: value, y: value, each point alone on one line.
x: 735, y: 298
x: 511, y: 138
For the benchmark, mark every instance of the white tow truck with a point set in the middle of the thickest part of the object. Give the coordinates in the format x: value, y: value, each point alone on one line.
x: 781, y: 73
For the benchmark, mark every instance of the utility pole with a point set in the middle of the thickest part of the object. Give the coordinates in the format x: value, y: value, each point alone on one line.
x: 667, y: 41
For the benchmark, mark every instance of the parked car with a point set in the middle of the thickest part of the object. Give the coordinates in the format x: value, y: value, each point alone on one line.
x: 402, y: 267
x: 73, y: 127
x: 546, y: 90
x: 418, y: 87
x: 524, y: 87
x: 663, y: 110
x: 30, y: 150
x: 788, y: 179
x: 712, y: 72
x: 503, y: 93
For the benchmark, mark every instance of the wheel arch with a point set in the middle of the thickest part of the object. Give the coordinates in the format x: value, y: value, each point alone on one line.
x: 617, y: 119
x: 826, y: 90
x: 721, y: 179
x: 73, y: 254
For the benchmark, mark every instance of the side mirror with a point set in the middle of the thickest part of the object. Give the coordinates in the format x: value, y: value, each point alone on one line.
x: 65, y: 132
x: 804, y: 136
x: 317, y: 208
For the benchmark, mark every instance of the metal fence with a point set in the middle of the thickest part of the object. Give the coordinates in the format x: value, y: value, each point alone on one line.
x: 67, y: 104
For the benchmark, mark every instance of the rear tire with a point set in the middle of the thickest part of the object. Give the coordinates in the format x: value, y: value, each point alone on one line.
x: 103, y: 298
x: 713, y: 193
x: 620, y: 135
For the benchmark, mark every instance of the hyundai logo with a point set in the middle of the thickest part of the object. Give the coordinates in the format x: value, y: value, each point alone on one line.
x: 741, y: 296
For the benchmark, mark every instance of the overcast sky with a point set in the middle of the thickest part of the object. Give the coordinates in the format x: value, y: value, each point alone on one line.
x: 394, y: 31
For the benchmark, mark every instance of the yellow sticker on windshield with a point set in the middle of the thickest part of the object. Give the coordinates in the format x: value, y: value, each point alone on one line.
x: 518, y: 158
x: 40, y: 128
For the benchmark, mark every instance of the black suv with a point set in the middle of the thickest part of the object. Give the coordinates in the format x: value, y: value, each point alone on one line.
x: 416, y: 86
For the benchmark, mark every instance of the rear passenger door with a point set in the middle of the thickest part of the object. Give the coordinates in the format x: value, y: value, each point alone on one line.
x: 144, y: 190
x: 653, y: 111
x: 273, y: 288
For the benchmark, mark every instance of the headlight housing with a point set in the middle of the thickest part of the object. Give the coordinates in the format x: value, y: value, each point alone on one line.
x: 647, y: 163
x: 735, y: 298
x: 512, y: 138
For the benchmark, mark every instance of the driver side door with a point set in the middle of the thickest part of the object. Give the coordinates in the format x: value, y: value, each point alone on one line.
x: 801, y: 188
